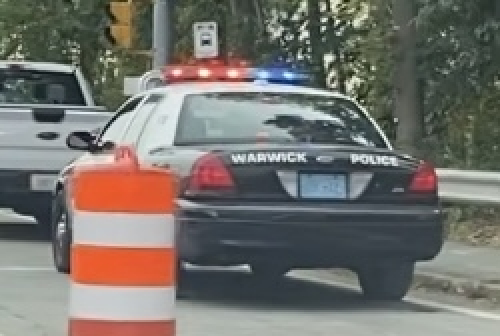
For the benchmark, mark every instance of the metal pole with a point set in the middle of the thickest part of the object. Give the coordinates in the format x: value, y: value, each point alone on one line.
x: 162, y: 35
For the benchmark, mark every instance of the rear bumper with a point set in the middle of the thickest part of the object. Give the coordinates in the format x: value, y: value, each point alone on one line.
x: 16, y: 190
x: 308, y: 235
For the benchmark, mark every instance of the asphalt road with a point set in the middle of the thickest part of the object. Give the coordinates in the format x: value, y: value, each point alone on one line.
x: 33, y: 302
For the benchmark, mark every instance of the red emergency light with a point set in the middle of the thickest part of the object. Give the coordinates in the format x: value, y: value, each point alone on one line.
x: 176, y: 73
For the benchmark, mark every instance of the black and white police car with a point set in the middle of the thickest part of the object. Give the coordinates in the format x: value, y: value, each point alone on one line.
x: 274, y: 175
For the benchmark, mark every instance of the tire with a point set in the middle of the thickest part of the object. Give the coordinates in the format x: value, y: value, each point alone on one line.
x: 61, y: 235
x: 386, y: 281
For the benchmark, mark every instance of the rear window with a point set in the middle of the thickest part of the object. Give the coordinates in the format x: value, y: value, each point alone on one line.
x: 22, y: 86
x: 214, y: 118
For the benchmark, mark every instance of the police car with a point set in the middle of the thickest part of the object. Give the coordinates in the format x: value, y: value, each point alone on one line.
x: 274, y: 175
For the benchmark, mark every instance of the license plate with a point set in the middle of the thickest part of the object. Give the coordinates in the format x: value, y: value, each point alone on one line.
x: 43, y: 182
x: 323, y: 186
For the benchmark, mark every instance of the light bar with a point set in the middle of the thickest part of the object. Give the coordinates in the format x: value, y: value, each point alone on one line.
x: 233, y: 73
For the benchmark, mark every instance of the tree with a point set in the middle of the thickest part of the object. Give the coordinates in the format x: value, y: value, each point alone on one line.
x: 407, y: 105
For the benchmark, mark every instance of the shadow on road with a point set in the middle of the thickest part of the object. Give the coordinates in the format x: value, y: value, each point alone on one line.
x: 241, y: 290
x: 19, y: 232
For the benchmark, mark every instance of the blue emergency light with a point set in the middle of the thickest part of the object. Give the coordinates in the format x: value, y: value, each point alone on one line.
x: 281, y: 75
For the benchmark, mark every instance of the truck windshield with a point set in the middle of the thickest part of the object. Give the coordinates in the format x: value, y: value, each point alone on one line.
x: 24, y: 86
x: 241, y: 117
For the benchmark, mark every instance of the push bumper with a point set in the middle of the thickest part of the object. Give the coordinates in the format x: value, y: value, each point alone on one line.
x: 329, y: 235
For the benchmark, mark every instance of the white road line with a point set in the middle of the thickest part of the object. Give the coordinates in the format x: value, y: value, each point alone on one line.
x: 460, y: 252
x: 26, y: 269
x: 410, y: 299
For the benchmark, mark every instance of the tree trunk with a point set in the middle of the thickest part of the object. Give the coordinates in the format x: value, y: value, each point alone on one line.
x: 317, y: 56
x: 407, y: 108
x: 247, y: 27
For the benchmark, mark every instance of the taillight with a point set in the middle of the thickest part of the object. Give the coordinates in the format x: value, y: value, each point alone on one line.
x: 209, y: 173
x: 425, y: 179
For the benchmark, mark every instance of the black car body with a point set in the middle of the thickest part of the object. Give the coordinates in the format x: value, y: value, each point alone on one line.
x: 260, y: 206
x: 285, y: 178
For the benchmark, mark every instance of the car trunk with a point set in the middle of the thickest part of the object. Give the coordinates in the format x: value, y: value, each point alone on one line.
x: 322, y: 174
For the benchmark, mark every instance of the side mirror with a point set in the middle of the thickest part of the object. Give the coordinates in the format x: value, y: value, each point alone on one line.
x: 80, y: 140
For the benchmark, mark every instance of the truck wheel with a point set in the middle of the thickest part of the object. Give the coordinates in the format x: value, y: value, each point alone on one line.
x: 61, y: 236
x: 386, y: 281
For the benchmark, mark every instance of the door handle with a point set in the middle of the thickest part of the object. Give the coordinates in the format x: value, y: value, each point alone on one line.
x: 48, y: 135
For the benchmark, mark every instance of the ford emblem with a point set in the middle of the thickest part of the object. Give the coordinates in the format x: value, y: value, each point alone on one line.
x: 325, y: 159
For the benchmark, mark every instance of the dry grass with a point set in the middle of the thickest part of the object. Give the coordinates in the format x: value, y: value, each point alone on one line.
x: 474, y: 227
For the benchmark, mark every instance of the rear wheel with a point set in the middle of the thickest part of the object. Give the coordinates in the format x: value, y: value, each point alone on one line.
x: 61, y: 236
x: 386, y: 281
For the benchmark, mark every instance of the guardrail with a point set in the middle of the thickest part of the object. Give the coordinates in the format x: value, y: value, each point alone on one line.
x: 469, y: 186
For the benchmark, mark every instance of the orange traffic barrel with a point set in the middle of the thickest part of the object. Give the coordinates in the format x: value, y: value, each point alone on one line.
x: 123, y: 259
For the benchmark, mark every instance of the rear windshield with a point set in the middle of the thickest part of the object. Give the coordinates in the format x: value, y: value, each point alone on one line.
x: 246, y: 117
x: 22, y: 86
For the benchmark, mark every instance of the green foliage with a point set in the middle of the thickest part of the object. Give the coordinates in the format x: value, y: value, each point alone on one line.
x: 321, y: 34
x: 350, y: 45
x: 28, y: 32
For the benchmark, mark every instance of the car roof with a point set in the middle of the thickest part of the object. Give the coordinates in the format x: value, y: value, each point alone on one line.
x: 39, y: 66
x: 207, y: 87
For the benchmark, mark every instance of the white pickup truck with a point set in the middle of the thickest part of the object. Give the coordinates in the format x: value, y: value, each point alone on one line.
x: 40, y: 104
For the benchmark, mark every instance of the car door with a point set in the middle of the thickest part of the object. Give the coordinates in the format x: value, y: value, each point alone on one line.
x: 113, y: 132
x: 126, y: 127
x: 159, y: 130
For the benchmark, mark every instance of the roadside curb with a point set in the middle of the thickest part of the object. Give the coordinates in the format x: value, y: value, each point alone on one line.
x: 470, y: 288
